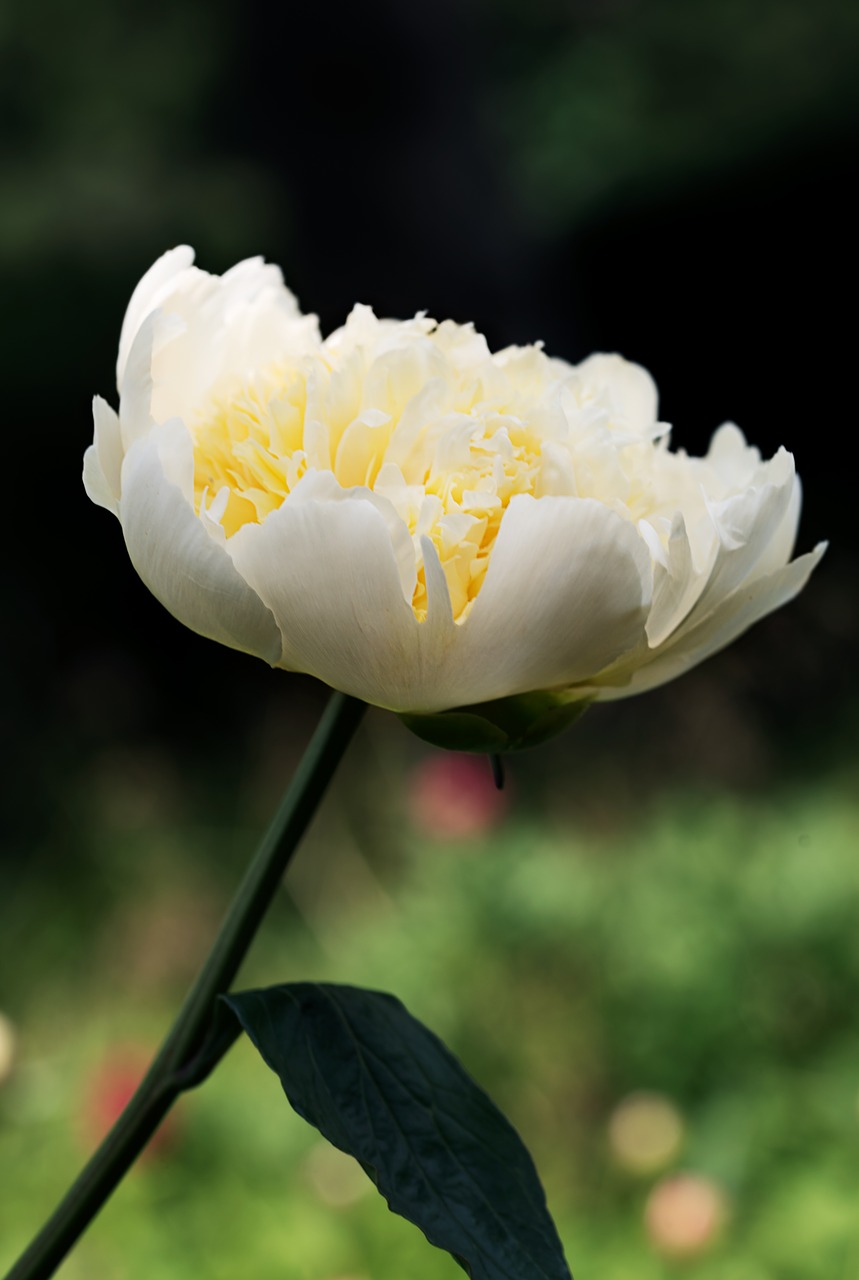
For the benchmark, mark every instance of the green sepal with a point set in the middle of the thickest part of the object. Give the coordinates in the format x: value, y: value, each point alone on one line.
x: 494, y: 728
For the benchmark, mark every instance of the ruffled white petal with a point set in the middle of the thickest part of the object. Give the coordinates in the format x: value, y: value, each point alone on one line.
x: 746, y: 524
x: 187, y: 570
x: 566, y: 593
x: 103, y: 458
x: 178, y: 288
x: 732, y: 462
x: 162, y: 278
x: 205, y: 328
x: 136, y: 391
x: 677, y: 584
x: 325, y: 565
x: 780, y: 544
x: 745, y: 532
x: 628, y: 388
x: 734, y: 615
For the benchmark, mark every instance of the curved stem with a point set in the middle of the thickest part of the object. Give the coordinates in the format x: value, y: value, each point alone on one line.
x: 186, y: 1055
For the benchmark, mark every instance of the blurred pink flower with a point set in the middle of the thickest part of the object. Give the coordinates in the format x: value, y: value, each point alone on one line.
x: 110, y: 1088
x: 684, y: 1214
x: 453, y: 796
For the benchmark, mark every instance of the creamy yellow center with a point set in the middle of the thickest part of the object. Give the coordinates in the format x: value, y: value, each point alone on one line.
x: 248, y: 449
x: 449, y: 472
x: 443, y: 435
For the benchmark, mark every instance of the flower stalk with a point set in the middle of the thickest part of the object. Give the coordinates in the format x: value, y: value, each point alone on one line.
x: 198, y: 1038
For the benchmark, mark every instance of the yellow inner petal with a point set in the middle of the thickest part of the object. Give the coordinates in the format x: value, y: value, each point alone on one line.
x: 452, y: 480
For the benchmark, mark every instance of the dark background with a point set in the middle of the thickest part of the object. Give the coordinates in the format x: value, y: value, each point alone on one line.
x: 666, y: 179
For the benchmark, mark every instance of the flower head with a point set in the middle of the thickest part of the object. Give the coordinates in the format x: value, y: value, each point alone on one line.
x: 421, y: 522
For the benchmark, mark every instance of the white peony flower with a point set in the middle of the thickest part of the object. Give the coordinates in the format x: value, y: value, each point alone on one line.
x: 418, y: 521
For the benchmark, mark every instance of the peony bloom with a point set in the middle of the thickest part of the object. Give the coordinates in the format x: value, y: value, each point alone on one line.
x: 418, y: 521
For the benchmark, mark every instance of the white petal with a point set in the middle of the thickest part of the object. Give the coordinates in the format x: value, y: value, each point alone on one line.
x: 161, y: 277
x: 103, y: 459
x: 251, y: 277
x: 631, y: 390
x: 323, y: 486
x: 568, y: 584
x: 565, y: 594
x: 208, y: 328
x: 258, y: 319
x: 748, y: 523
x: 780, y: 544
x: 734, y: 615
x: 137, y: 387
x: 187, y: 570
x: 732, y: 459
x: 676, y: 586
x: 325, y: 565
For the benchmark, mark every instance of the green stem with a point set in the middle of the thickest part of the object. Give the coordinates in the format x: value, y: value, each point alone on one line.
x: 195, y: 1043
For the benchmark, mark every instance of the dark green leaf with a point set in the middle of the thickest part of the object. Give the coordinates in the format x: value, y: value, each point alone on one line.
x: 383, y: 1088
x: 220, y: 1036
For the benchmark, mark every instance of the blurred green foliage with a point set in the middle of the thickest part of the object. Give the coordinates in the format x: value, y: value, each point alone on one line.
x: 704, y: 949
x: 105, y: 133
x: 604, y: 101
x: 119, y: 127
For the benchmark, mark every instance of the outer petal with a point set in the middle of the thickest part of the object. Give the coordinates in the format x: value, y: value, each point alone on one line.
x: 325, y: 565
x: 188, y: 571
x: 735, y: 614
x: 103, y: 459
x: 136, y: 387
x: 205, y: 328
x: 165, y: 275
x: 181, y: 289
x: 755, y: 530
x: 779, y: 547
x: 568, y: 584
x: 676, y: 585
x: 630, y: 389
x: 566, y: 593
x: 747, y: 523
